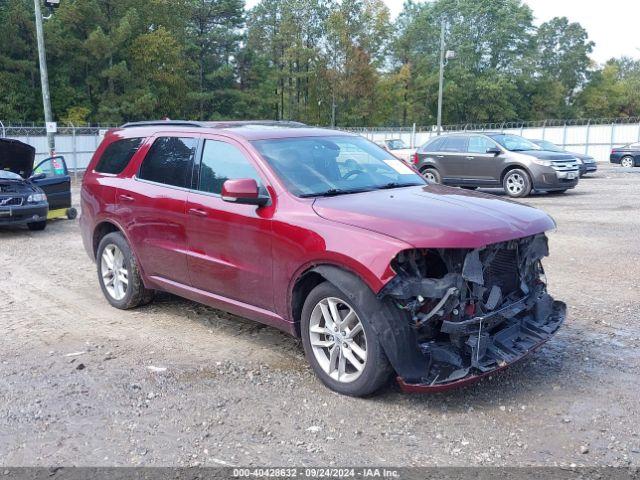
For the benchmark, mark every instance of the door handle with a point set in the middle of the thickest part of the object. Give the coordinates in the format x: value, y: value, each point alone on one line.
x: 126, y: 198
x: 440, y: 156
x: 198, y: 212
x: 470, y: 158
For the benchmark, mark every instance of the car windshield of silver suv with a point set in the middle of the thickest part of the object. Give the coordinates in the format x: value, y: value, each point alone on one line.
x: 515, y: 143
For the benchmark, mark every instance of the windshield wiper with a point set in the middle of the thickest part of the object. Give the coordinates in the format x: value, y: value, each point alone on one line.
x: 397, y: 185
x: 332, y: 192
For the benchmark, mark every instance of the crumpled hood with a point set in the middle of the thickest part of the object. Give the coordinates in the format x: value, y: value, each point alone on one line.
x: 17, y: 157
x: 435, y: 216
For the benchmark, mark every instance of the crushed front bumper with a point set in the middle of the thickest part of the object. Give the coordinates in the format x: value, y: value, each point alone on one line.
x: 511, y: 342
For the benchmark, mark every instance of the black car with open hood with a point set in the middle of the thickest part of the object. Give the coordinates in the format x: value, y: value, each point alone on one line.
x: 25, y: 197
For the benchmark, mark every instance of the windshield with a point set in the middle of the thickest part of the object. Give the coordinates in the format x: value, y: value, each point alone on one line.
x: 515, y: 143
x: 396, y: 144
x: 7, y: 175
x: 335, y: 165
x: 550, y: 147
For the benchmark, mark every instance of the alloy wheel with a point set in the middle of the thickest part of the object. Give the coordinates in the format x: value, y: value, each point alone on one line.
x: 627, y: 162
x: 430, y: 176
x: 338, y: 339
x: 515, y: 183
x: 115, y: 275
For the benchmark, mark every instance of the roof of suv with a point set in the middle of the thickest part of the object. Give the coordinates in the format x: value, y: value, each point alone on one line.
x: 249, y: 130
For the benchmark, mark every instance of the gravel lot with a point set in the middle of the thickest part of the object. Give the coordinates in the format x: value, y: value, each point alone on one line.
x: 177, y: 383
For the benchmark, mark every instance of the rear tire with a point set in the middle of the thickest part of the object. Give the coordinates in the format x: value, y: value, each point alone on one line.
x: 37, y: 226
x: 119, y: 275
x: 627, y: 162
x: 517, y: 183
x: 319, y: 339
x: 431, y: 174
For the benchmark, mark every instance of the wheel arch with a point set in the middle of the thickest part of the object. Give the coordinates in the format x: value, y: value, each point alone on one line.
x: 102, y: 229
x: 515, y: 166
x: 107, y: 226
x: 426, y: 165
x: 342, y: 278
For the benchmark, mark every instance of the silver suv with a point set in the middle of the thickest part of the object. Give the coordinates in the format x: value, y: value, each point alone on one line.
x: 496, y: 160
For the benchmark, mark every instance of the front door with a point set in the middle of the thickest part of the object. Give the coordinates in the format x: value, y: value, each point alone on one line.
x: 229, y: 251
x: 56, y: 184
x: 483, y: 168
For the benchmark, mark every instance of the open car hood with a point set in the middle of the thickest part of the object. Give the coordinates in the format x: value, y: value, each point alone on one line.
x: 17, y: 157
x: 435, y: 216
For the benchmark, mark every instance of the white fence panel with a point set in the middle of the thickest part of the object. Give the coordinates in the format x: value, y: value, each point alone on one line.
x: 596, y: 139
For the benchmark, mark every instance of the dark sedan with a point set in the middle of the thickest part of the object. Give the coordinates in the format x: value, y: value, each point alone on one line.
x: 627, y: 156
x: 586, y: 163
x: 22, y: 202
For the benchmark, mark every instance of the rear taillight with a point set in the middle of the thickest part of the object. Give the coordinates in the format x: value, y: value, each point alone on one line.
x: 415, y: 159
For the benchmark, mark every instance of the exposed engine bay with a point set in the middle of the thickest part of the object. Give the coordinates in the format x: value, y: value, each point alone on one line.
x: 472, y: 311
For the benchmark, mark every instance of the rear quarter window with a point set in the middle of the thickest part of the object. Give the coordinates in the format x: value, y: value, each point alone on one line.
x: 117, y: 155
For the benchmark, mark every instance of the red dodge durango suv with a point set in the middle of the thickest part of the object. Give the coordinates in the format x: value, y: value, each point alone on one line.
x: 326, y: 236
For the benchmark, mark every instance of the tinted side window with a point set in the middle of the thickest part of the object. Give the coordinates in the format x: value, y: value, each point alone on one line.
x: 455, y: 144
x: 222, y: 161
x: 480, y: 144
x: 434, y: 145
x: 170, y: 161
x: 117, y: 155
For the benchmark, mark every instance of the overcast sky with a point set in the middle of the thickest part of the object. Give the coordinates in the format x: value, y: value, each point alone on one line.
x: 614, y: 25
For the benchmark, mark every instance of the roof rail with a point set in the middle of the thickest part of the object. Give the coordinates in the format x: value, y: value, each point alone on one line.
x: 155, y: 123
x: 216, y: 124
x: 264, y: 123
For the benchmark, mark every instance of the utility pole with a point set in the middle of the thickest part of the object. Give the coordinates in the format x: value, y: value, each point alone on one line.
x: 441, y: 84
x: 44, y: 78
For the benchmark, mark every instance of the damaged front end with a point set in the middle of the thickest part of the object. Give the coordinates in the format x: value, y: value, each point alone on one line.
x: 471, y: 312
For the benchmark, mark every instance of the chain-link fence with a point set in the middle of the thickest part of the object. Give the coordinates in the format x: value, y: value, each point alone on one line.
x: 595, y: 137
x: 75, y: 143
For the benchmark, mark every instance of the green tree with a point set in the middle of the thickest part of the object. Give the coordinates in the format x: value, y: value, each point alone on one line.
x: 214, y: 35
x: 20, y: 99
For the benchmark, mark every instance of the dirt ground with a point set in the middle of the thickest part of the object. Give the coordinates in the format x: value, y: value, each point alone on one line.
x: 177, y: 383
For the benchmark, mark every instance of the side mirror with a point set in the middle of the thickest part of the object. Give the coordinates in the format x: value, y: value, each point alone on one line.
x: 243, y: 190
x: 37, y: 176
x: 494, y: 150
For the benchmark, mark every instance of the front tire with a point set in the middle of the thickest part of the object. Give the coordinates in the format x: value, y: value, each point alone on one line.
x: 432, y: 175
x: 119, y: 275
x: 627, y: 162
x: 340, y: 344
x: 517, y: 183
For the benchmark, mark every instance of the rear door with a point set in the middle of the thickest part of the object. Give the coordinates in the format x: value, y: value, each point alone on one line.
x: 229, y: 244
x: 152, y: 205
x: 483, y: 168
x: 57, y: 182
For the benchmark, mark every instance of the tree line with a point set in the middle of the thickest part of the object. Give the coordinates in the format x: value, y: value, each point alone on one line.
x: 316, y: 61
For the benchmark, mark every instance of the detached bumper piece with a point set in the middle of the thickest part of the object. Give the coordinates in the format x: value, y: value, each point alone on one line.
x: 490, y: 352
x: 467, y: 313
